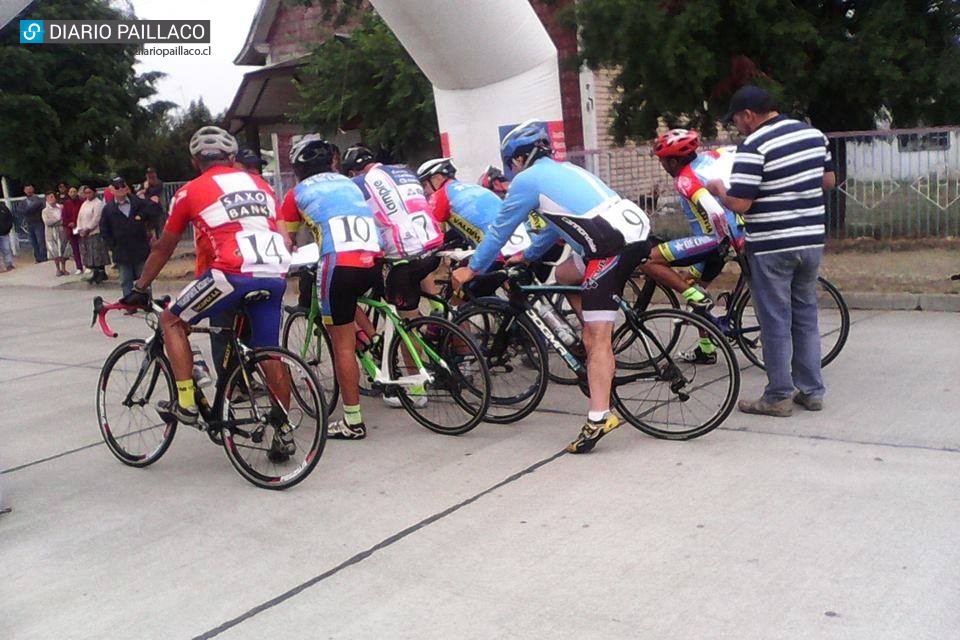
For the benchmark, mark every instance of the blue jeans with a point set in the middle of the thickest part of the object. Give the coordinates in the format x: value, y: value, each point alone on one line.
x: 128, y: 275
x: 6, y: 253
x: 38, y: 239
x: 784, y: 290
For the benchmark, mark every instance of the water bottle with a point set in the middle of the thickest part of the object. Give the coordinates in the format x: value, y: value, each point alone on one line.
x: 553, y: 320
x: 201, y: 373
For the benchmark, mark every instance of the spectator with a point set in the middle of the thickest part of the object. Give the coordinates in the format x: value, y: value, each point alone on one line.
x: 128, y: 229
x: 95, y: 254
x: 71, y: 210
x: 62, y: 192
x: 248, y: 160
x: 33, y: 221
x: 52, y: 215
x: 779, y: 174
x: 6, y: 226
x: 152, y: 192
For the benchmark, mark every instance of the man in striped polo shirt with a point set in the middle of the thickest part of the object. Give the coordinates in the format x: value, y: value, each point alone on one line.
x: 780, y: 173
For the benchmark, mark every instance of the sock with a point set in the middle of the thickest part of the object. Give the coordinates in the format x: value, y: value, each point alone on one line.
x: 707, y: 346
x: 185, y: 394
x: 418, y: 390
x: 435, y: 305
x: 693, y: 294
x: 597, y: 416
x: 351, y: 414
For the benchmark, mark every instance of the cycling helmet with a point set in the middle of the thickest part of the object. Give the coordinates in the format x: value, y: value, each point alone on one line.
x: 491, y: 175
x: 250, y: 158
x: 676, y: 143
x: 356, y: 158
x: 212, y: 143
x: 436, y: 167
x: 530, y: 139
x: 311, y: 155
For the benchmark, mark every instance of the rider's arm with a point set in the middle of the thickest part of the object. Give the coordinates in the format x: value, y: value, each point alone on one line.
x: 521, y: 199
x: 714, y: 211
x: 177, y: 221
x: 541, y: 243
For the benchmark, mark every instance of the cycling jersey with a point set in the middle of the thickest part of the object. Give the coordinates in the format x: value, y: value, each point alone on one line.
x: 578, y: 208
x: 471, y: 209
x: 333, y: 208
x: 703, y: 211
x: 237, y: 212
x: 399, y: 207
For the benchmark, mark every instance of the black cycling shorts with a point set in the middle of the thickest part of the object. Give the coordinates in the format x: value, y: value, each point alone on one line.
x: 339, y: 287
x: 403, y: 281
x: 606, y: 277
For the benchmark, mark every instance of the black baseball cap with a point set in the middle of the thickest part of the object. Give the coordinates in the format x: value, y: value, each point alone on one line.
x: 117, y: 182
x: 749, y: 97
x: 249, y: 158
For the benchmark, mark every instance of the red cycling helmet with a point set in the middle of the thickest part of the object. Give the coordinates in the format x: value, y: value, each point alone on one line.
x: 676, y: 143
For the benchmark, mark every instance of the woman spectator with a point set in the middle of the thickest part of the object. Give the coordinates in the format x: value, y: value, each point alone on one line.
x: 71, y: 209
x: 94, y: 250
x: 52, y: 215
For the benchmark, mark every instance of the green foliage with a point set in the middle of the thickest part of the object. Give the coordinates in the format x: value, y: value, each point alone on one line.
x: 838, y: 62
x: 368, y: 81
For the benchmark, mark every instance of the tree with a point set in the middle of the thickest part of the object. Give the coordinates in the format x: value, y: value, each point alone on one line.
x: 67, y: 110
x: 838, y: 62
x: 368, y: 81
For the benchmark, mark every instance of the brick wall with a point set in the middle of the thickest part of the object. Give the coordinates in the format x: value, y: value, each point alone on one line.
x: 296, y: 30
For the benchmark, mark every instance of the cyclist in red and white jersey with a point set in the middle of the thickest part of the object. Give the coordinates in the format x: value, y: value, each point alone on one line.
x: 237, y: 212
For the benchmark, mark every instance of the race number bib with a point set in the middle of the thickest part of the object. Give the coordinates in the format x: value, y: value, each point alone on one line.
x: 263, y: 253
x: 420, y: 230
x: 519, y: 241
x: 353, y: 233
x: 629, y: 219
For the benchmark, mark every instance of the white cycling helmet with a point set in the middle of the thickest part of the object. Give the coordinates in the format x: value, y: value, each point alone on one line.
x: 436, y: 166
x: 212, y: 142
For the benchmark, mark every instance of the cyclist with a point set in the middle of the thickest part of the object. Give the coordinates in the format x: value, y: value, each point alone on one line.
x: 333, y: 208
x: 610, y: 232
x: 714, y: 227
x: 494, y: 180
x: 237, y: 211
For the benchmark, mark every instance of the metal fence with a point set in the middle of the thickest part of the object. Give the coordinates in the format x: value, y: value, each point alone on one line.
x: 890, y: 184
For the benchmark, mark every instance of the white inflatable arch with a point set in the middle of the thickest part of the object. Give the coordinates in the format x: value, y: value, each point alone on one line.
x: 492, y: 66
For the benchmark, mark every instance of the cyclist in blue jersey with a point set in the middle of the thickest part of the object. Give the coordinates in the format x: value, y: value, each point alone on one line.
x: 335, y: 210
x: 608, y: 231
x: 715, y: 228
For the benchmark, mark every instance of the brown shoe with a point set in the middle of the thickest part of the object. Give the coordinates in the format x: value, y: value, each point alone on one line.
x: 780, y: 409
x: 809, y: 403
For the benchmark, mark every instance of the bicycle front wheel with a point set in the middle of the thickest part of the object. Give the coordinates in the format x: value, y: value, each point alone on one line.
x: 833, y: 323
x: 660, y: 388
x: 456, y: 396
x: 319, y: 355
x: 131, y: 383
x: 515, y: 357
x: 275, y: 431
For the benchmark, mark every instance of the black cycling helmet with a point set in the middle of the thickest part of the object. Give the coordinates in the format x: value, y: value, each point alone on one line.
x: 311, y: 155
x: 356, y: 158
x: 250, y: 158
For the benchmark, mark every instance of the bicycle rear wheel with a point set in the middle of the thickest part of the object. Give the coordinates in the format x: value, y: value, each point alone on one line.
x: 515, y: 357
x: 253, y: 442
x: 457, y: 398
x: 131, y: 383
x: 319, y: 355
x: 833, y: 322
x: 659, y: 392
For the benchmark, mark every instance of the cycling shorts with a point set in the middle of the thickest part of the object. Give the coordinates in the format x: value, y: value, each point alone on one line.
x: 339, y: 287
x: 216, y: 292
x: 606, y: 277
x: 704, y: 255
x: 403, y: 281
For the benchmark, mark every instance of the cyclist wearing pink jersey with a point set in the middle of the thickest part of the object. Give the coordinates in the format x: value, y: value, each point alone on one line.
x: 237, y: 211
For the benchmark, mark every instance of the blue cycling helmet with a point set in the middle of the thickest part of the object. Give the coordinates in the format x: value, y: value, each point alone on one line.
x: 529, y: 138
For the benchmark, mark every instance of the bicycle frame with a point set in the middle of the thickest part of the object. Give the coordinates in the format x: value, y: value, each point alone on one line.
x: 381, y: 374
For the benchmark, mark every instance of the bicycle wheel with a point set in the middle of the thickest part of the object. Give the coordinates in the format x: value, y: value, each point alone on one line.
x: 252, y: 440
x: 660, y: 393
x: 319, y: 356
x: 515, y: 357
x: 833, y: 322
x: 659, y: 296
x: 458, y: 396
x: 131, y: 383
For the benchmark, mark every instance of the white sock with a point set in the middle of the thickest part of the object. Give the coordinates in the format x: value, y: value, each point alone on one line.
x: 597, y: 416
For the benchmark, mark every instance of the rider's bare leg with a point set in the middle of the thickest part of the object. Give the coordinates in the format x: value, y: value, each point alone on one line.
x: 568, y: 273
x: 598, y: 339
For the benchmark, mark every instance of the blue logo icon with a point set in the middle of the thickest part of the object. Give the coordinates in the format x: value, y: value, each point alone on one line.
x: 31, y: 32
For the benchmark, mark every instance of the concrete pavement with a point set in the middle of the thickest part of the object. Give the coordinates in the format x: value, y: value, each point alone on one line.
x: 840, y: 524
